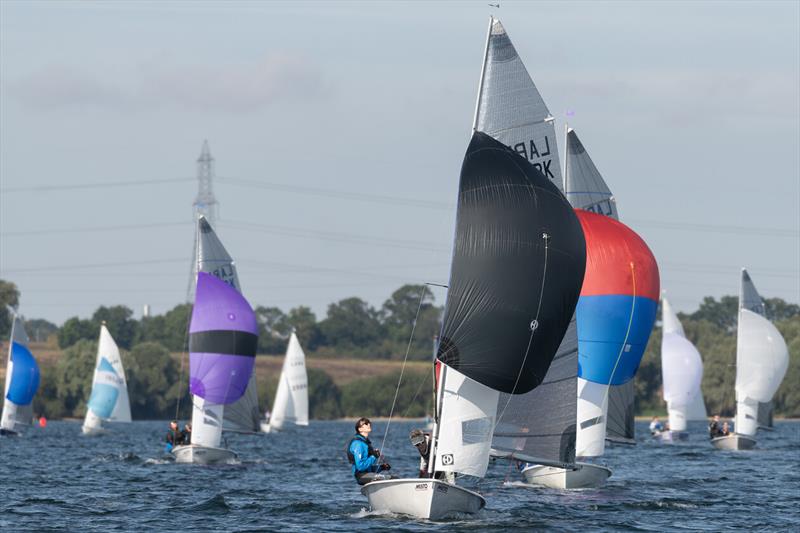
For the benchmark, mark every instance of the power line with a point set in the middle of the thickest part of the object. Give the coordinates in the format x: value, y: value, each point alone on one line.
x: 92, y: 185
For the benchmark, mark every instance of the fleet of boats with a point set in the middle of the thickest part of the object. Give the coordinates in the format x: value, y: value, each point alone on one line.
x: 550, y: 305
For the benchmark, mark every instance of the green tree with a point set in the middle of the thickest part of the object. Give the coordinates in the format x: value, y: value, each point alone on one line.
x: 324, y: 397
x: 155, y: 382
x: 722, y: 313
x: 120, y: 323
x: 74, y: 330
x: 9, y: 297
x: 373, y: 396
x: 74, y: 372
x: 351, y: 325
x: 39, y: 330
x: 273, y: 330
x: 399, y: 313
x: 304, y: 321
x: 170, y: 329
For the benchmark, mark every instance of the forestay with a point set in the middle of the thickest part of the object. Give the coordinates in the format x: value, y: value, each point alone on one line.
x: 510, y: 108
x: 761, y: 358
x: 291, y: 399
x: 518, y: 262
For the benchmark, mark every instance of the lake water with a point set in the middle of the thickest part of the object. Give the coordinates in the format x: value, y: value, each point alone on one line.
x: 53, y: 479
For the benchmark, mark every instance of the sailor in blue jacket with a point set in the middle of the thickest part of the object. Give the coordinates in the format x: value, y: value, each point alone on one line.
x: 367, y: 461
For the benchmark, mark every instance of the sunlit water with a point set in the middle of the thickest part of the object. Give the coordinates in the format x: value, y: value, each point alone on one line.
x: 55, y: 479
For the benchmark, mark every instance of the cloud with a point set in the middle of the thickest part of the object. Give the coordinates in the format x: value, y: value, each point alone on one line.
x: 237, y: 88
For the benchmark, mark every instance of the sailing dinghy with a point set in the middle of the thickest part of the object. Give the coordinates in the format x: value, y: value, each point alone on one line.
x: 291, y: 399
x: 518, y: 262
x: 682, y: 373
x: 223, y: 336
x: 761, y: 362
x: 22, y: 382
x: 109, y: 399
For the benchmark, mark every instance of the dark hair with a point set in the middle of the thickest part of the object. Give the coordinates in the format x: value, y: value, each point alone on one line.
x: 361, y: 421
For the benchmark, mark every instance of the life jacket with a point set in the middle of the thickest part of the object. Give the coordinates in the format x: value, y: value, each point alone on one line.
x: 370, y: 449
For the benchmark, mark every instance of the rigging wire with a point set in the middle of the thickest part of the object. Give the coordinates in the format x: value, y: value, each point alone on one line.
x: 403, y: 368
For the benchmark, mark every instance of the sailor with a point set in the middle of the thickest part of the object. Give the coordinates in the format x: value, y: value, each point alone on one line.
x: 725, y: 430
x: 186, y: 434
x: 174, y: 436
x: 714, y: 428
x: 367, y: 461
x: 422, y: 442
x: 655, y: 426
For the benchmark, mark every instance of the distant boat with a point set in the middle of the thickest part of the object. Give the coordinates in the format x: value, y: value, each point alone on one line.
x: 223, y: 336
x: 109, y: 400
x: 291, y: 399
x: 682, y: 373
x: 761, y: 362
x: 509, y: 302
x: 22, y: 382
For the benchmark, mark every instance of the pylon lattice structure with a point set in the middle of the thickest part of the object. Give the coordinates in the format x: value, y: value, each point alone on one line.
x: 204, y: 204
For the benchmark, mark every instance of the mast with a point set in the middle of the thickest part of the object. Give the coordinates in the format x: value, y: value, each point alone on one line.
x: 483, y: 69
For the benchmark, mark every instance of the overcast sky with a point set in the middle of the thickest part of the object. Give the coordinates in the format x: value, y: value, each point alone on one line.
x: 339, y: 129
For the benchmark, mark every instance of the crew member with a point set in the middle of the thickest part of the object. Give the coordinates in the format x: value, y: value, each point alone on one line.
x: 186, y: 434
x: 367, y: 461
x: 422, y: 442
x: 174, y: 436
x: 655, y: 426
x: 714, y: 428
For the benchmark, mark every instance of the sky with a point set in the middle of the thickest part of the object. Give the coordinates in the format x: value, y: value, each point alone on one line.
x: 339, y: 128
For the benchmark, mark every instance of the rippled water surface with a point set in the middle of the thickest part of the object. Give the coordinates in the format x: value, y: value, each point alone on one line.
x: 54, y: 479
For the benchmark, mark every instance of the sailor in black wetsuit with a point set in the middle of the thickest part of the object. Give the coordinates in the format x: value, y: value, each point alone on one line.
x: 174, y: 436
x: 714, y: 428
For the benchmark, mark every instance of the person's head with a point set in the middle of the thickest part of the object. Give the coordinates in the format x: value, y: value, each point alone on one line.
x: 188, y: 427
x: 173, y: 424
x: 716, y: 418
x: 417, y: 438
x: 655, y: 419
x: 725, y: 425
x: 363, y: 426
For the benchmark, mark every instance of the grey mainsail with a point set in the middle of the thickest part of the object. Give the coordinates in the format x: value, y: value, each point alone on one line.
x: 510, y: 108
x: 539, y: 426
x: 584, y: 186
x: 243, y: 414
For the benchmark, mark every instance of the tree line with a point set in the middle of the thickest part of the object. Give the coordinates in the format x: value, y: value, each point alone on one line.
x: 353, y: 328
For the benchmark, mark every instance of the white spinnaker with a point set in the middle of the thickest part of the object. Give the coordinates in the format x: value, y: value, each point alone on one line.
x: 291, y: 399
x: 466, y: 421
x: 15, y: 417
x: 510, y: 108
x: 761, y: 357
x: 681, y: 369
x: 213, y: 258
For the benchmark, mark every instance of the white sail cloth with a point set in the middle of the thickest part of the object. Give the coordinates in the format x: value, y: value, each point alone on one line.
x: 109, y: 399
x: 681, y: 369
x: 466, y: 422
x: 291, y: 399
x: 762, y: 360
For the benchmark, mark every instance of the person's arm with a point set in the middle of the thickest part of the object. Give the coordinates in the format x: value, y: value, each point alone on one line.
x: 364, y: 461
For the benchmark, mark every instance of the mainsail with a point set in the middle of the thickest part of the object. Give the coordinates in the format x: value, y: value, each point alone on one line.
x: 681, y: 369
x: 615, y: 313
x: 518, y: 262
x: 22, y: 381
x: 510, y: 108
x: 761, y: 358
x: 291, y: 400
x: 208, y: 418
x: 109, y: 399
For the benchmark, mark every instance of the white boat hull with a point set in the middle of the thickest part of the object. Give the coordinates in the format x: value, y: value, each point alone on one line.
x: 422, y: 498
x: 93, y: 431
x: 203, y: 455
x: 586, y: 475
x: 734, y: 441
x: 671, y: 436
